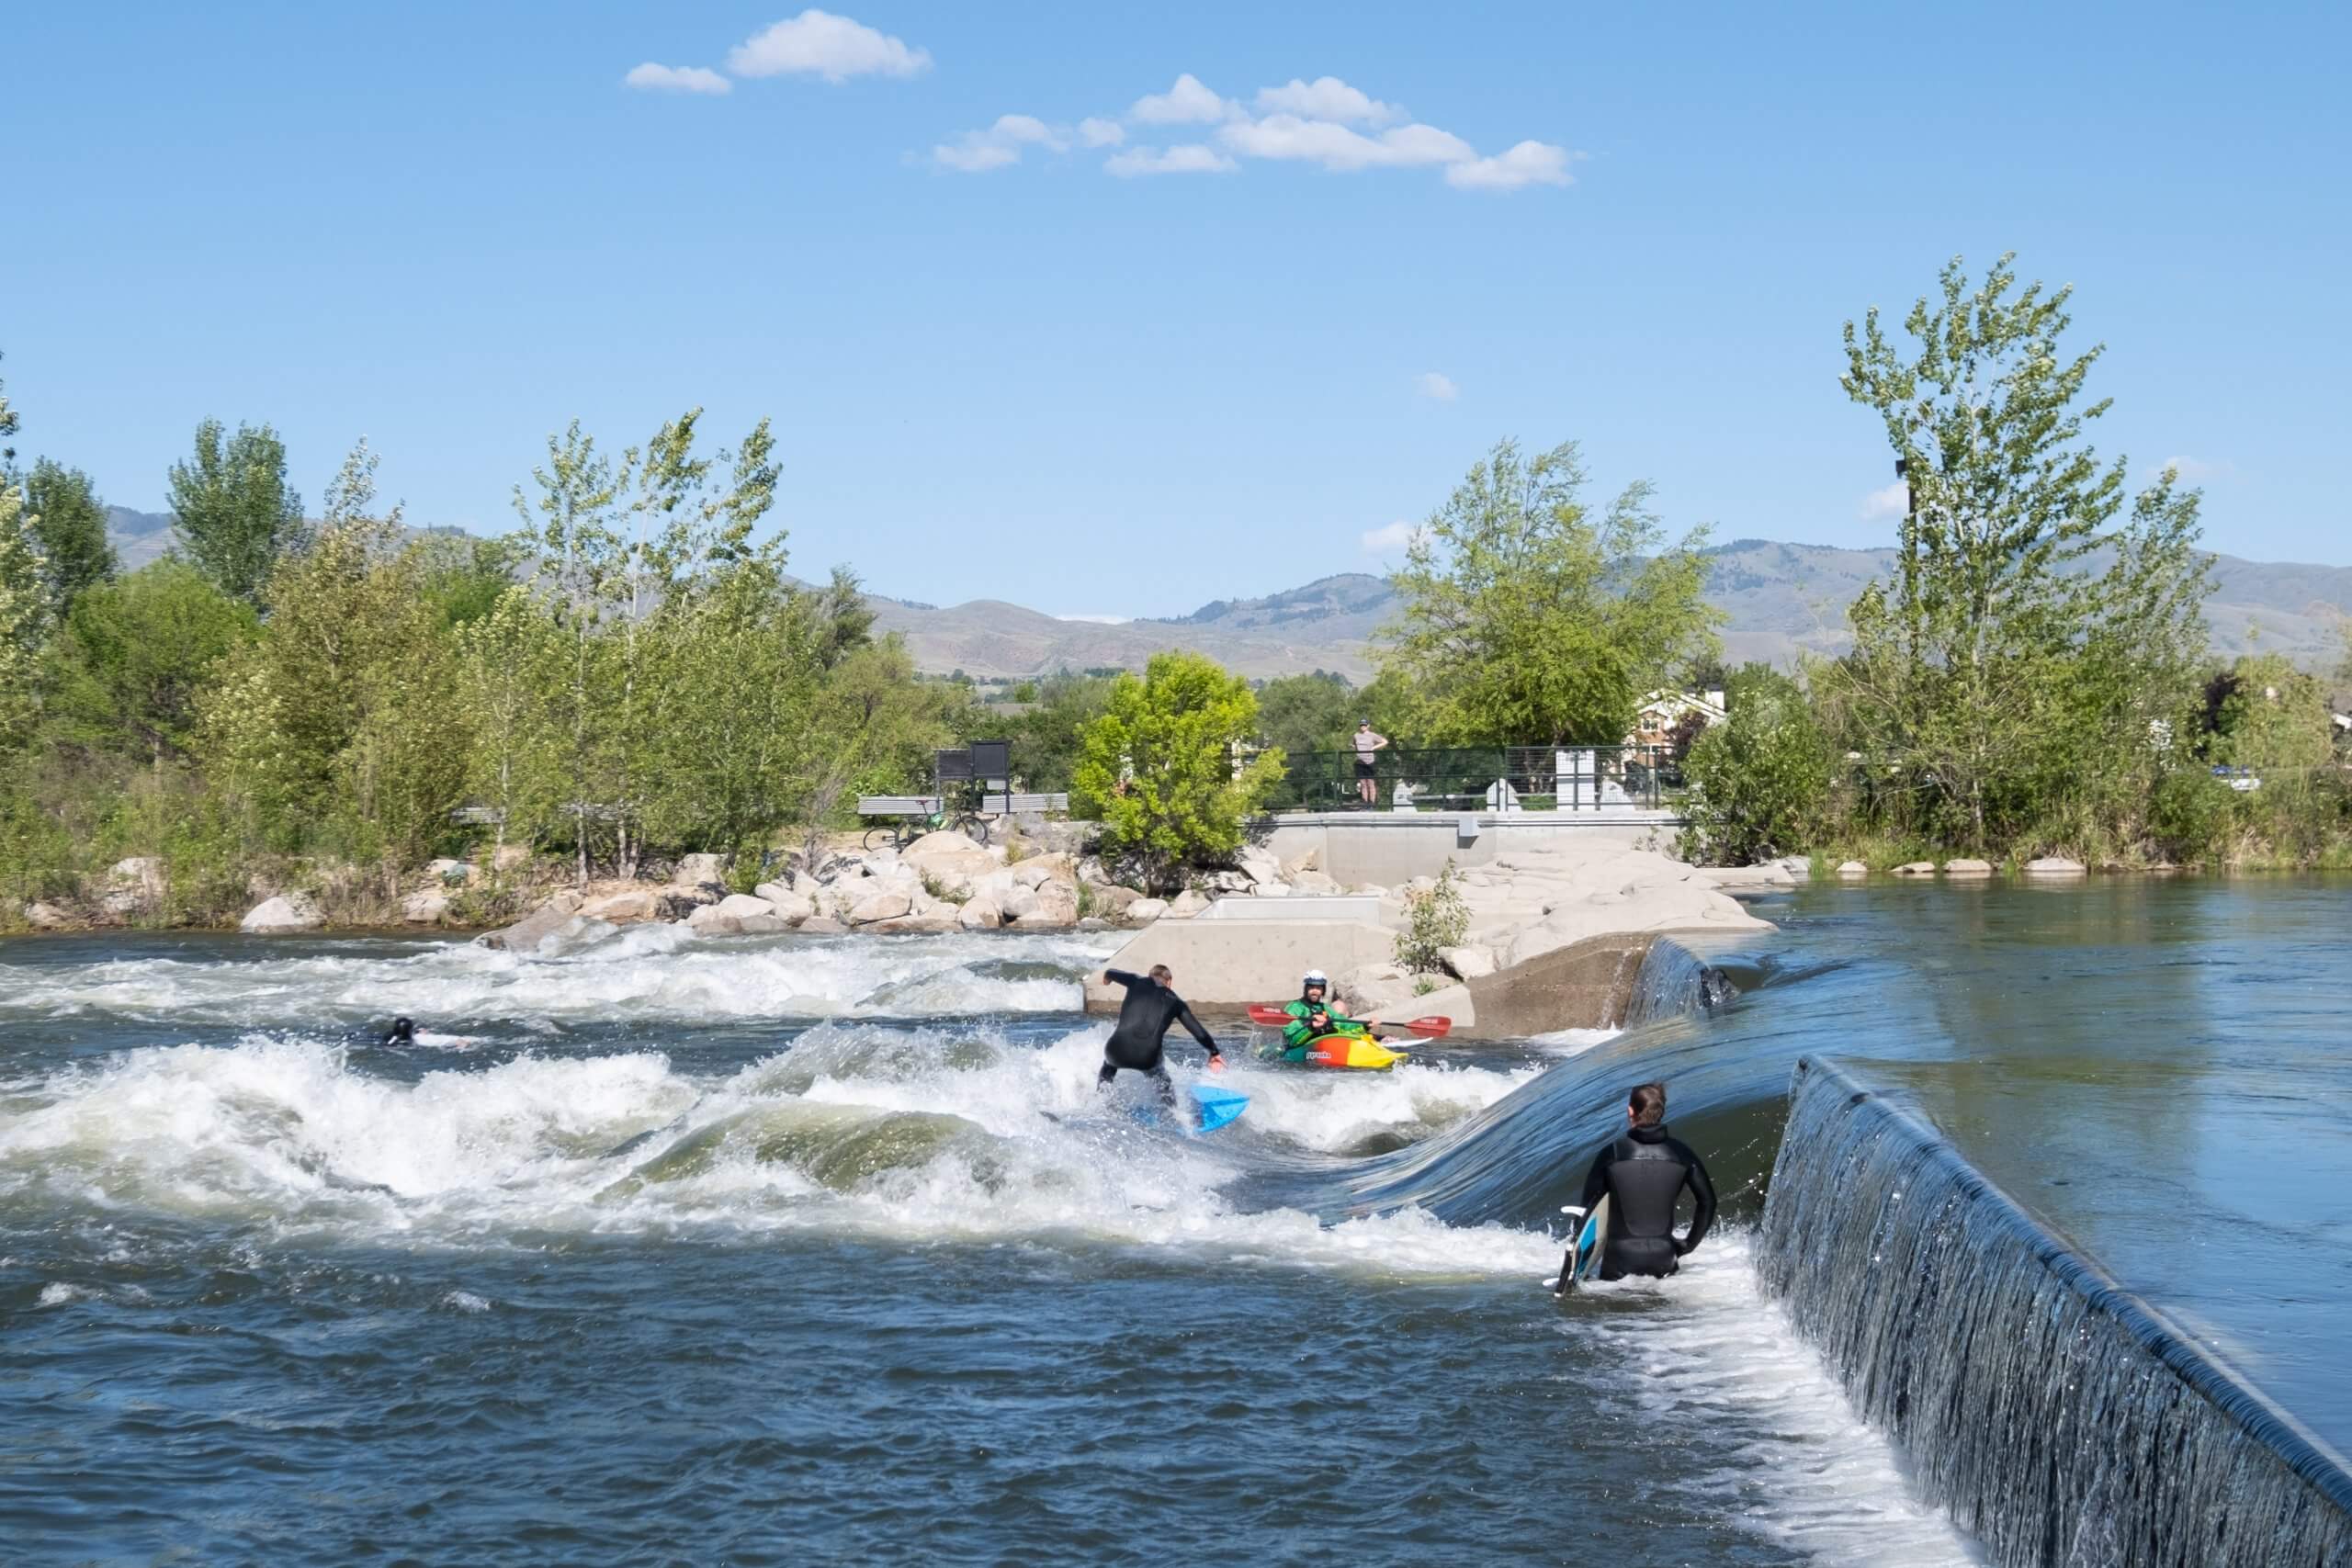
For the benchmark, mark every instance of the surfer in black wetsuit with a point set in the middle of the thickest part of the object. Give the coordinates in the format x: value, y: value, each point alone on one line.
x: 1643, y: 1175
x: 1143, y: 1018
x: 402, y: 1033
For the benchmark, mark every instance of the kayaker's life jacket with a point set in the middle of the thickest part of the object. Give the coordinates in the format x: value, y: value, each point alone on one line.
x: 1298, y: 1030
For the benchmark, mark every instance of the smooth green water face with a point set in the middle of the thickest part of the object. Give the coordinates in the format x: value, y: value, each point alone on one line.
x: 2161, y: 1072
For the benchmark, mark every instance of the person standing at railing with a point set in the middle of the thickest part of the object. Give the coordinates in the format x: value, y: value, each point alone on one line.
x: 1368, y: 742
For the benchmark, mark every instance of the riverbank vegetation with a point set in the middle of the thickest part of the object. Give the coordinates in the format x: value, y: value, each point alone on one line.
x: 628, y: 677
x: 2034, y: 678
x: 632, y: 676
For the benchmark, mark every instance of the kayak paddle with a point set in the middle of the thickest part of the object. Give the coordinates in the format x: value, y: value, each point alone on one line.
x: 1431, y: 1028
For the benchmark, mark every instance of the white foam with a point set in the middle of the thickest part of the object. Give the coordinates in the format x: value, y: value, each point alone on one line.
x: 659, y: 972
x: 940, y: 1133
x: 1769, y: 1423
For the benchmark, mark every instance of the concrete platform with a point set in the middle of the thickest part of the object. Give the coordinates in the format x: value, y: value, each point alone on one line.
x: 1387, y: 849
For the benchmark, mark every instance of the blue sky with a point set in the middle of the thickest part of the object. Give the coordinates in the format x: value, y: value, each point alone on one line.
x: 1003, y: 361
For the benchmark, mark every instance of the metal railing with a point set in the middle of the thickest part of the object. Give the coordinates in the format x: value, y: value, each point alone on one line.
x: 1483, y: 778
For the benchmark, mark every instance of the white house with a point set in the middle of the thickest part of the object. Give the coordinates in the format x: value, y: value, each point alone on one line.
x: 1660, y: 711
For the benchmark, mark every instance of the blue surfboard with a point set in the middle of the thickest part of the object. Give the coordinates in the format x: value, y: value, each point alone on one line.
x: 1218, y: 1106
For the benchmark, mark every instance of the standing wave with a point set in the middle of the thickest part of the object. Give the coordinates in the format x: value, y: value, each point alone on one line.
x: 2057, y: 1416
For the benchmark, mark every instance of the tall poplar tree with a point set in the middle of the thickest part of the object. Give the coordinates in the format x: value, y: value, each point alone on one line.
x: 236, y: 514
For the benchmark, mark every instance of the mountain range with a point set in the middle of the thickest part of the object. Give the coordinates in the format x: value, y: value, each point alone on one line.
x: 1782, y: 600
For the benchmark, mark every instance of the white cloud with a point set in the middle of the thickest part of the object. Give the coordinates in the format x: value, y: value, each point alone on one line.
x: 818, y: 43
x: 1392, y: 540
x: 1190, y: 158
x: 1529, y: 163
x: 1885, y: 505
x: 653, y: 78
x: 1338, y: 148
x: 1432, y: 385
x: 1327, y: 97
x: 1325, y: 123
x: 2192, y: 471
x: 976, y: 152
x: 1186, y: 103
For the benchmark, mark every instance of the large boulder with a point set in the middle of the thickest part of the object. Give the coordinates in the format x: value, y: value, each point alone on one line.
x: 1046, y: 868
x: 625, y: 907
x: 1312, y: 881
x: 2055, y: 866
x: 1966, y: 866
x: 710, y: 919
x: 1016, y: 901
x: 822, y: 925
x: 44, y: 917
x: 1056, y: 905
x: 1227, y: 881
x: 949, y: 859
x: 979, y: 915
x: 695, y: 870
x: 288, y: 912
x: 1916, y: 868
x: 890, y: 901
x: 526, y: 934
x: 1467, y: 963
x: 1259, y: 864
x: 1852, y: 870
x: 1187, y: 904
x: 1143, y: 911
x: 429, y: 907
x: 1272, y: 890
x: 1110, y: 900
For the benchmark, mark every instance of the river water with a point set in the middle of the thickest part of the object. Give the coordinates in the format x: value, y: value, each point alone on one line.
x: 806, y: 1250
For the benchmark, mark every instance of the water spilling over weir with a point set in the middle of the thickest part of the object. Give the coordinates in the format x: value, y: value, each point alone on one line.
x: 2059, y: 1418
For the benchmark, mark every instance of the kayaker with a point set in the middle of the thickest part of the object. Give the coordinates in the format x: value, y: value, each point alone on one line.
x: 1138, y: 1040
x: 1643, y: 1175
x: 1311, y: 1016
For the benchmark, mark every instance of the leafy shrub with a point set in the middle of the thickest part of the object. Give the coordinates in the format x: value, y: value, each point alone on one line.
x: 1436, y: 918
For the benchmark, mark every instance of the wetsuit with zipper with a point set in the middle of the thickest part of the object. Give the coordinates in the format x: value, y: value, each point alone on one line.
x: 1643, y: 1174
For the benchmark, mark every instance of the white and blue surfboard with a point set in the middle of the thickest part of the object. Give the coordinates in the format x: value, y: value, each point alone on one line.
x: 1589, y: 1237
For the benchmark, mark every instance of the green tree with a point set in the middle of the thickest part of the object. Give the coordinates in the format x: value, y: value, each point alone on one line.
x: 467, y: 575
x: 1045, y: 740
x: 24, y: 605
x: 1307, y: 713
x: 71, y: 523
x: 1760, y: 780
x: 236, y: 514
x: 509, y: 661
x: 1159, y: 767
x: 1526, y: 618
x: 134, y: 655
x: 2001, y: 666
x: 2272, y: 715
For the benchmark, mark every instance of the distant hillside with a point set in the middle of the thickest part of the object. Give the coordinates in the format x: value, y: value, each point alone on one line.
x: 1785, y: 601
x: 138, y: 537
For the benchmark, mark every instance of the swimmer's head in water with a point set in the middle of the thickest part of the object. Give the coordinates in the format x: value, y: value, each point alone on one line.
x: 403, y: 1030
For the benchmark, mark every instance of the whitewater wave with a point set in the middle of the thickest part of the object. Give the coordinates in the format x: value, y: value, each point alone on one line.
x: 655, y: 973
x: 1774, y: 1438
x: 922, y: 1136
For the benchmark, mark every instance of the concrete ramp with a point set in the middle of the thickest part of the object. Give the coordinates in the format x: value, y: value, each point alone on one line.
x: 1226, y: 963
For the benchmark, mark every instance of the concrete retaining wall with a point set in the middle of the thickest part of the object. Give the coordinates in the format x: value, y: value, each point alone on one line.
x: 1389, y: 848
x: 1224, y: 964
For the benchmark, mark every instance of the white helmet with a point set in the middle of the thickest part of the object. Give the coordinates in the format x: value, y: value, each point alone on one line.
x: 1315, y: 978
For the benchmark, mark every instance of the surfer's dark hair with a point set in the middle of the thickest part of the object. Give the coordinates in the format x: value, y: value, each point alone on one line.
x: 1159, y: 972
x: 1648, y: 1101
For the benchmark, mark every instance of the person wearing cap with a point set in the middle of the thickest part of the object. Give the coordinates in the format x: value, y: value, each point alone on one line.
x: 1367, y: 768
x: 1311, y: 1016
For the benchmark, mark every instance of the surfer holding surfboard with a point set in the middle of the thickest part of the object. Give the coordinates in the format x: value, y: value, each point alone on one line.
x: 1632, y: 1190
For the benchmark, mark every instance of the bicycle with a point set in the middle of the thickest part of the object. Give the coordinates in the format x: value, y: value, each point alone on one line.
x: 897, y: 835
